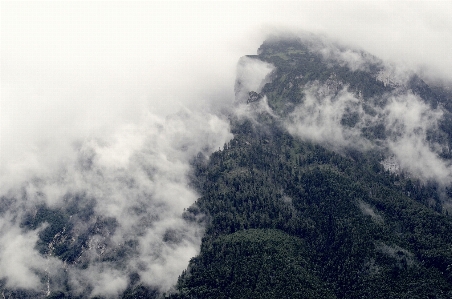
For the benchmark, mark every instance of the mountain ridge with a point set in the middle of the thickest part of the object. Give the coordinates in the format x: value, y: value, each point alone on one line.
x: 369, y: 232
x: 336, y: 184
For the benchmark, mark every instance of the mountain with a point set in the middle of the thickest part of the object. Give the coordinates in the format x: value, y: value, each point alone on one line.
x: 336, y: 184
x: 303, y: 201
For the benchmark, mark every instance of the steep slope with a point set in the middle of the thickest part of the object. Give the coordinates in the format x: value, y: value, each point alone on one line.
x: 295, y: 216
x: 363, y: 235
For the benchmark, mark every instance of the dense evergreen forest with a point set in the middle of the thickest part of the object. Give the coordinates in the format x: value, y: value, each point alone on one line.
x: 289, y: 218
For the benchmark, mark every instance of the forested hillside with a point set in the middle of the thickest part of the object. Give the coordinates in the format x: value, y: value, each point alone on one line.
x: 290, y: 217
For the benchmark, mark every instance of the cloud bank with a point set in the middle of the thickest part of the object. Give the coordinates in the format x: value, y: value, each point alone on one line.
x: 136, y: 181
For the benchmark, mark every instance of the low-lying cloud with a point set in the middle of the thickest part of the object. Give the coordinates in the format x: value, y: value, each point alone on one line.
x: 319, y: 118
x: 408, y: 120
x: 339, y: 119
x: 137, y: 179
x: 19, y: 262
x: 252, y: 75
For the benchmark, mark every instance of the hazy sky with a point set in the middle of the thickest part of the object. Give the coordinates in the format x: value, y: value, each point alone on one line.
x: 71, y: 69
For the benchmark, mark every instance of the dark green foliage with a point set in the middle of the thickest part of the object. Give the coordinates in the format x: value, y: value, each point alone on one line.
x: 350, y: 119
x: 56, y: 222
x: 57, y: 237
x: 361, y: 232
x: 253, y: 264
x: 140, y: 292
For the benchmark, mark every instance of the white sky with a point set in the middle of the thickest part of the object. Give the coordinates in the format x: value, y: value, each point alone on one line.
x: 70, y: 70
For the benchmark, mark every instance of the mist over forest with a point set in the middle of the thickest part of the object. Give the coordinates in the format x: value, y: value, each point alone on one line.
x: 115, y: 118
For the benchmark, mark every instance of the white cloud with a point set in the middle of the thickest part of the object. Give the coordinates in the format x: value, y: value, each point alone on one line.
x: 71, y: 69
x: 319, y: 118
x: 252, y: 75
x: 408, y: 120
x: 100, y: 279
x: 19, y: 261
x: 137, y: 176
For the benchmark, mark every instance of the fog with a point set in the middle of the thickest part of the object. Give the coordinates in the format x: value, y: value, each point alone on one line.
x: 107, y: 102
x: 405, y: 118
x: 319, y: 118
